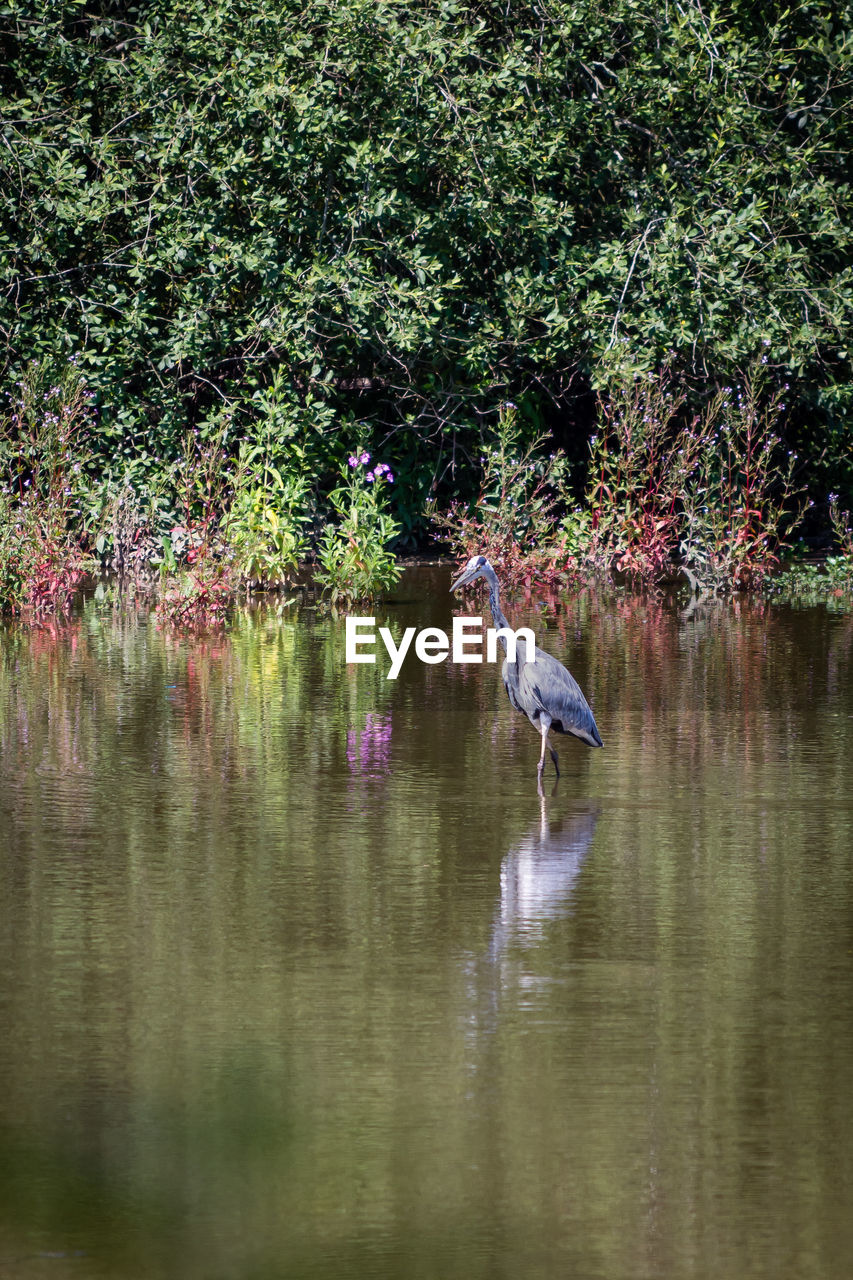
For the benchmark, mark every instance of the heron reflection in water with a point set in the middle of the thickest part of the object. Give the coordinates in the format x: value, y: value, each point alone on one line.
x: 539, y: 874
x: 538, y: 884
x: 542, y: 689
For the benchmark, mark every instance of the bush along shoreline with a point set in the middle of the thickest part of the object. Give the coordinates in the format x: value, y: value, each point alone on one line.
x: 712, y: 498
x: 579, y: 276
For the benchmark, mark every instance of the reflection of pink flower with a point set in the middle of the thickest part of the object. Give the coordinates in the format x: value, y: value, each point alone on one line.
x: 369, y: 749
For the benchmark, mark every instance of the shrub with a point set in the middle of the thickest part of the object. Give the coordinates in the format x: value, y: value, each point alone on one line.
x: 829, y: 581
x: 354, y: 553
x: 641, y: 460
x: 740, y: 496
x: 513, y: 520
x: 712, y: 494
x: 264, y: 524
x: 842, y: 528
x: 43, y: 455
x: 197, y: 577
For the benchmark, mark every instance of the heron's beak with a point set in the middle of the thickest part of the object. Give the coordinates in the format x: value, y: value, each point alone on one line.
x: 465, y: 576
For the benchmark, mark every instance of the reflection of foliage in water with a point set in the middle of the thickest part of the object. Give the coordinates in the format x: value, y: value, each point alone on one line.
x: 239, y: 978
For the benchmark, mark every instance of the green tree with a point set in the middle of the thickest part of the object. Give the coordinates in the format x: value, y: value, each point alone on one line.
x: 407, y: 212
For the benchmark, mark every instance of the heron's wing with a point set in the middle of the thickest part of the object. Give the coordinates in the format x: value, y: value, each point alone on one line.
x: 509, y: 671
x: 546, y: 685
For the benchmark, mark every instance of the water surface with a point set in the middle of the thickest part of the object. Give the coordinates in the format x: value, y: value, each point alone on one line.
x: 299, y: 976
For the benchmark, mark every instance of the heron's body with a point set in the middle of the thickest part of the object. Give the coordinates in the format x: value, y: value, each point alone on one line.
x: 545, y: 689
x: 541, y: 689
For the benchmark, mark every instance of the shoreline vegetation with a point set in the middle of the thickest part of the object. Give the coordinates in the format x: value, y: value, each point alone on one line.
x: 711, y: 500
x: 293, y: 289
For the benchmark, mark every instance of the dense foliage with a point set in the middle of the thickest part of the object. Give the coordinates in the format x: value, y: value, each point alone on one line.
x: 389, y: 217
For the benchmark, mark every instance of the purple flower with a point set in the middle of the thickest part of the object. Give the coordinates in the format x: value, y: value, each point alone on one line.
x: 352, y: 460
x: 364, y: 459
x: 369, y: 477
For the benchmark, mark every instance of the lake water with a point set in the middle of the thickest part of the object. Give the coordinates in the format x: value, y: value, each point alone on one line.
x: 300, y: 977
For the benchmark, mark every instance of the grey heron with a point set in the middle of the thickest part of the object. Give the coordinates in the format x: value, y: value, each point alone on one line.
x: 543, y: 690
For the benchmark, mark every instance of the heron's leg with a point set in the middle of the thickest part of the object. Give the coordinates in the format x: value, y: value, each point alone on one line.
x: 544, y: 726
x: 554, y: 758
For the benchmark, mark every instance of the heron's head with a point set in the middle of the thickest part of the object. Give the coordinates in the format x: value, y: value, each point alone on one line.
x: 475, y: 568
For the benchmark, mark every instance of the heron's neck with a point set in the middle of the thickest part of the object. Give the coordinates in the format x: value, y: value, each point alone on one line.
x: 495, y: 604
